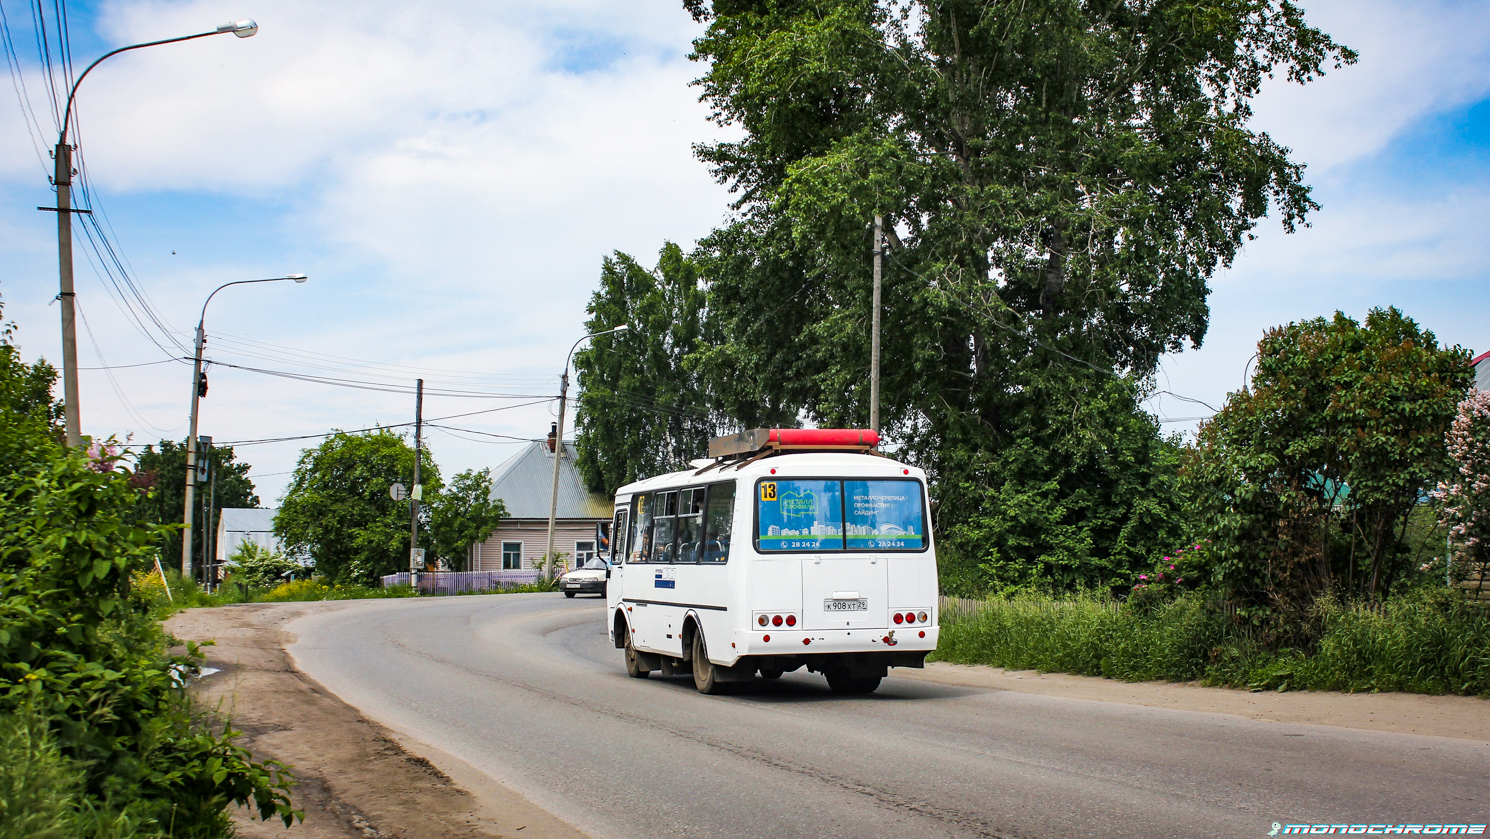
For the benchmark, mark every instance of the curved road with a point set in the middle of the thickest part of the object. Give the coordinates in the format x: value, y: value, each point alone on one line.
x: 527, y: 689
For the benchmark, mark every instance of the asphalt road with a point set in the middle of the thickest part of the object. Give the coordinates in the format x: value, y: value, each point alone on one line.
x: 527, y: 689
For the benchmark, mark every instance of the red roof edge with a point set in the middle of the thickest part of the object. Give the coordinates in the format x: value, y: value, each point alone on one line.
x: 1477, y: 359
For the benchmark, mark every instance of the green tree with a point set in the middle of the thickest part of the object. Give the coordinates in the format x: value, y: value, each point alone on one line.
x: 1061, y: 179
x: 1306, y: 480
x: 640, y: 411
x: 162, y: 471
x: 462, y: 514
x: 338, y: 512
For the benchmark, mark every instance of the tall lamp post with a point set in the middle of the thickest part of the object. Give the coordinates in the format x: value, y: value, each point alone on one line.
x: 62, y: 179
x: 198, y: 390
x: 553, y: 501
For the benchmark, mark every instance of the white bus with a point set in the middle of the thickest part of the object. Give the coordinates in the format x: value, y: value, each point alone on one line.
x: 790, y: 548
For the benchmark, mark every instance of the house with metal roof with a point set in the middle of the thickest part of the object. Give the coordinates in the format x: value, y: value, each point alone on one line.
x: 524, y: 485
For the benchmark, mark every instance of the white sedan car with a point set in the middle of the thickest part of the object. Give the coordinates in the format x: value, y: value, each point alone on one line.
x: 589, y: 579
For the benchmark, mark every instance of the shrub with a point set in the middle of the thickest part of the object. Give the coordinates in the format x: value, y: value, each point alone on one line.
x: 261, y: 567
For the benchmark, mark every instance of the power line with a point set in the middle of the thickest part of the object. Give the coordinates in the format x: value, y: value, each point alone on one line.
x: 373, y: 428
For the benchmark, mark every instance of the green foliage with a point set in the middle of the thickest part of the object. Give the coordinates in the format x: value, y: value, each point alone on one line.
x: 39, y: 789
x: 304, y: 590
x: 81, y: 652
x: 162, y: 472
x: 1424, y: 643
x: 639, y: 414
x: 256, y: 565
x: 1307, y: 481
x: 463, y: 514
x: 337, y: 509
x: 1079, y: 494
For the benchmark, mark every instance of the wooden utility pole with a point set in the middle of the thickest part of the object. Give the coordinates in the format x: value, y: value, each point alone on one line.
x: 874, y: 341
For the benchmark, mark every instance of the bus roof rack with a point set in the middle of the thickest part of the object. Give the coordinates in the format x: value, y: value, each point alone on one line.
x: 763, y: 440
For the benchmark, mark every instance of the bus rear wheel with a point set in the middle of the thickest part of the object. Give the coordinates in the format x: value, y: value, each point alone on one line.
x: 844, y: 683
x: 634, y: 667
x: 704, y: 677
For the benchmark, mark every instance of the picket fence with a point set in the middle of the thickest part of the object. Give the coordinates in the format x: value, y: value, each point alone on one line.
x: 460, y: 582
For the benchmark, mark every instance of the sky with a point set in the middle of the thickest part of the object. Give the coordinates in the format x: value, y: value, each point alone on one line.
x: 450, y: 175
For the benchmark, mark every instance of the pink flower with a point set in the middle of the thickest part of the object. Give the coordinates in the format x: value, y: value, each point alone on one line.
x: 1171, y: 567
x: 1143, y: 576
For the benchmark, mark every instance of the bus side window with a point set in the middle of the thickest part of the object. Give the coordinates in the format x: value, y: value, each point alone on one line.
x: 719, y: 520
x: 641, y: 528
x: 690, y: 523
x: 618, y: 534
x: 662, y: 527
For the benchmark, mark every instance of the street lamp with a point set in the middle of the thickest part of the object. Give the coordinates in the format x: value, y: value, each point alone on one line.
x: 553, y: 501
x: 198, y: 390
x: 62, y: 179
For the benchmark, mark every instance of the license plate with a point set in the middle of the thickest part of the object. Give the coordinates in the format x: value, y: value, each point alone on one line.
x: 855, y: 605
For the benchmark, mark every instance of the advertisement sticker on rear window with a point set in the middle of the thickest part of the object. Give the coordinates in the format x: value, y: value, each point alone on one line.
x: 884, y: 515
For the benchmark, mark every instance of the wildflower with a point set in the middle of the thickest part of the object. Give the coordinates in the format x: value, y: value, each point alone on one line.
x: 1166, y: 559
x: 1171, y: 567
x: 1143, y: 576
x: 31, y: 677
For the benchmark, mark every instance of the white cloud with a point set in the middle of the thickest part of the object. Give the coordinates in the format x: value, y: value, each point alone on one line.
x: 1417, y: 59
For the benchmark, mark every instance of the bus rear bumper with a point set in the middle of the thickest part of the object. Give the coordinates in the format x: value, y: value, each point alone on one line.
x: 902, y: 645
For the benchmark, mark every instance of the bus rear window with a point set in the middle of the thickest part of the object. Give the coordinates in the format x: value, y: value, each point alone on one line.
x: 800, y: 515
x: 884, y: 515
x: 835, y: 515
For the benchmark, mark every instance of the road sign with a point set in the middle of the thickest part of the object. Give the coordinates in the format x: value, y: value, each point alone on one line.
x: 397, y: 492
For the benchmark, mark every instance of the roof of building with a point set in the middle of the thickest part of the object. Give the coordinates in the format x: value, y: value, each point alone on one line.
x: 525, y: 484
x: 247, y: 519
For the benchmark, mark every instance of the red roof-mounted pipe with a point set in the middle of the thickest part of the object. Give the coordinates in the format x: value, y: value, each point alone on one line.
x: 794, y: 439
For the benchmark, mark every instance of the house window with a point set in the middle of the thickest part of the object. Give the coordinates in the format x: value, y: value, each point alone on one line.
x: 512, y: 556
x: 583, y: 552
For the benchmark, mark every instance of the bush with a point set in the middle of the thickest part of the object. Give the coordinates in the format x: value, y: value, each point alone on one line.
x: 1428, y: 642
x: 81, y: 652
x: 261, y: 567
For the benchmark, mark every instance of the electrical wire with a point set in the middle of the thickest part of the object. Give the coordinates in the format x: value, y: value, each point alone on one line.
x: 23, y: 95
x: 114, y: 383
x: 371, y: 428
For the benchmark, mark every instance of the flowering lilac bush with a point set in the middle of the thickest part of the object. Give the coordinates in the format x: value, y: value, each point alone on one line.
x: 1465, y: 496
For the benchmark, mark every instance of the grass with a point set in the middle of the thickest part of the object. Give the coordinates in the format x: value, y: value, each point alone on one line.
x: 186, y: 594
x: 1425, y: 643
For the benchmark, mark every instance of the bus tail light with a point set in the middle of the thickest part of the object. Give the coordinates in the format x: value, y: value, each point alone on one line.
x: 776, y: 621
x: 922, y: 617
x: 767, y: 639
x: 806, y: 641
x: 899, y: 618
x: 923, y: 633
x: 791, y: 620
x: 762, y: 620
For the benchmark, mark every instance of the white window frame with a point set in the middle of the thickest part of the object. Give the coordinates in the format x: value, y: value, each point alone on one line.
x: 593, y: 552
x: 519, y: 544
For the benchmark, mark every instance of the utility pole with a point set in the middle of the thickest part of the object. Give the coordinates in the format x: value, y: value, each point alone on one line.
x: 415, y: 566
x: 63, y: 180
x: 874, y: 340
x: 553, y: 501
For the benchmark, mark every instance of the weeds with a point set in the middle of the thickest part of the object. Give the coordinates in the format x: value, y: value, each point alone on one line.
x: 1430, y: 642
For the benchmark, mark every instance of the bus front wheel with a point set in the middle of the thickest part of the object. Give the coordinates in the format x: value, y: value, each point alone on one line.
x: 634, y: 667
x: 704, y: 676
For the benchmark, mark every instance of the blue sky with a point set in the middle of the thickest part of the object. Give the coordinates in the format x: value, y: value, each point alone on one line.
x: 451, y: 174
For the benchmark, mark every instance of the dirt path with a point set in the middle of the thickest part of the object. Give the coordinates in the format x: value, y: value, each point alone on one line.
x: 357, y: 779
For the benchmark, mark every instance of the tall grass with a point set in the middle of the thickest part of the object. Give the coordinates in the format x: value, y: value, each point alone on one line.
x: 1422, y: 644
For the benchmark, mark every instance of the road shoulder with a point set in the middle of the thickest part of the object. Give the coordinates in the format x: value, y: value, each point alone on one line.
x: 356, y: 778
x: 1459, y: 717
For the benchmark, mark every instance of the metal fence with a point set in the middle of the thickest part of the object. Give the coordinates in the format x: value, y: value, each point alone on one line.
x: 459, y: 582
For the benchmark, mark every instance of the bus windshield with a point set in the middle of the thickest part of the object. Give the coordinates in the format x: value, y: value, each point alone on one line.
x: 834, y: 515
